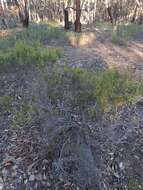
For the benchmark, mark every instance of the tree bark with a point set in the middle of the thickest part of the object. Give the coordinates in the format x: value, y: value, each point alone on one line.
x: 26, y: 15
x: 108, y: 7
x: 2, y: 14
x: 78, y: 15
x: 66, y: 18
x: 23, y: 12
x: 110, y: 14
x: 134, y: 15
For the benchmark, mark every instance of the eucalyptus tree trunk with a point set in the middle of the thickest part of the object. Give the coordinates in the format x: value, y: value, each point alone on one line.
x: 66, y: 19
x: 108, y: 7
x: 26, y: 13
x: 23, y: 11
x: 78, y: 15
x: 134, y: 15
x: 3, y: 6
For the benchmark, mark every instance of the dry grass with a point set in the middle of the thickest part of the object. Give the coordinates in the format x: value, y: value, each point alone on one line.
x: 81, y: 40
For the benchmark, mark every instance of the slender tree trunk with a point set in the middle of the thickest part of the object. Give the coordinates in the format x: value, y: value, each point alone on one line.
x: 2, y: 14
x: 110, y: 14
x: 108, y: 7
x: 134, y: 15
x: 29, y: 10
x: 66, y: 18
x: 141, y: 16
x: 2, y: 4
x: 26, y: 13
x: 6, y: 6
x: 23, y: 12
x: 78, y: 15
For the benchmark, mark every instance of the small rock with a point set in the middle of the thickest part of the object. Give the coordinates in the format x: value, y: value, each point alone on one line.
x: 48, y: 184
x: 67, y: 185
x: 14, y: 173
x: 44, y: 177
x: 32, y: 178
x: 44, y: 183
x: 61, y: 179
x: 39, y: 177
x: 121, y: 165
x: 51, y: 176
x: 1, y: 186
x: 19, y: 98
x: 25, y: 181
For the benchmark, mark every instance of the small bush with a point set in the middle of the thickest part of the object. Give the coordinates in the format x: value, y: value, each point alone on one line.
x: 112, y: 88
x: 91, y: 92
x: 28, y: 53
x: 5, y: 103
x: 34, y: 33
x: 39, y: 33
x: 116, y: 39
x: 24, y: 116
x: 128, y: 31
x: 7, y: 42
x: 125, y: 32
x: 135, y: 184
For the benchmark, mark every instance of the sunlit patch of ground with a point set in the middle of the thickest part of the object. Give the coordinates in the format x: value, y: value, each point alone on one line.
x: 81, y: 40
x: 96, y: 40
x: 4, y: 33
x: 8, y: 32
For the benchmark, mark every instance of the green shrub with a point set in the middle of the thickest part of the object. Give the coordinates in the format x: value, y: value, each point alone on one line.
x: 85, y: 89
x: 135, y: 184
x: 24, y: 116
x: 5, y: 103
x: 127, y: 31
x: 114, y: 88
x: 7, y: 42
x: 28, y: 53
x: 41, y: 33
x: 123, y: 32
x: 116, y: 39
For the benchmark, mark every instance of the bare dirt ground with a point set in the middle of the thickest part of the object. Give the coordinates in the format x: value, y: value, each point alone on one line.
x: 94, y: 45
